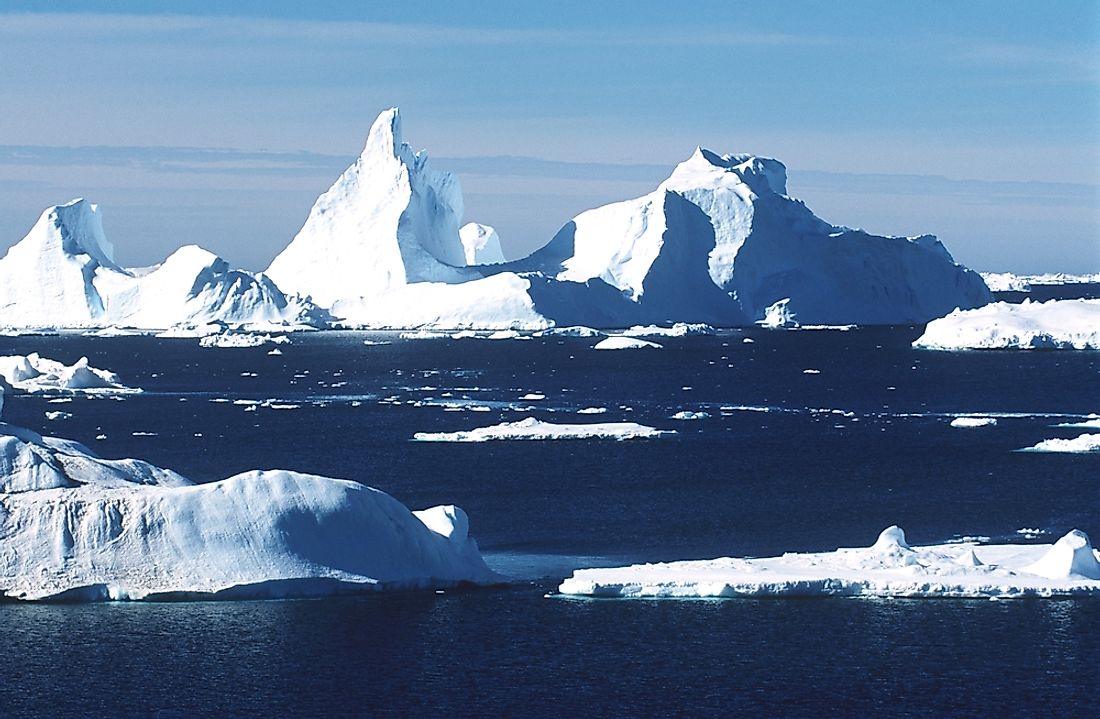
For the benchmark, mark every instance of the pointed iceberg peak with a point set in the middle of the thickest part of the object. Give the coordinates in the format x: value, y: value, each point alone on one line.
x: 75, y: 228
x: 385, y: 134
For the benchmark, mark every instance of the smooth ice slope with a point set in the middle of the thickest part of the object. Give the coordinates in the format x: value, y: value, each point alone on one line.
x: 889, y: 568
x: 74, y: 526
x: 1057, y: 324
x: 63, y: 274
x: 389, y: 220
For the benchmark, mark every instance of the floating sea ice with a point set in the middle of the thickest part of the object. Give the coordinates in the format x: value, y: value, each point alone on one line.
x: 1092, y: 423
x: 1078, y: 445
x: 592, y: 410
x: 533, y: 396
x: 624, y: 343
x: 58, y: 415
x: 973, y: 422
x: 534, y: 429
x: 687, y: 415
x: 889, y: 568
x: 34, y: 373
x: 811, y: 371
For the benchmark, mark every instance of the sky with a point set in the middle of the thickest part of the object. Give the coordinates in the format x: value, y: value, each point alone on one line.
x: 220, y: 123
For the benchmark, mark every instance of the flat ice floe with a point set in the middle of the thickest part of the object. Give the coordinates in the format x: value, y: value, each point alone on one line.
x: 1078, y: 445
x: 33, y: 373
x: 534, y: 429
x: 241, y: 339
x: 1057, y: 324
x: 968, y: 422
x: 619, y: 342
x: 889, y: 568
x: 77, y: 527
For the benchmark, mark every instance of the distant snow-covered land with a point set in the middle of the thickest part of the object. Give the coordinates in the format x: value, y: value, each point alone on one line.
x: 889, y: 568
x: 1010, y: 282
x: 1056, y: 324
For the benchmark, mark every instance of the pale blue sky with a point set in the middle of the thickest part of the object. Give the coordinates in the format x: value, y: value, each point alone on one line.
x: 976, y: 121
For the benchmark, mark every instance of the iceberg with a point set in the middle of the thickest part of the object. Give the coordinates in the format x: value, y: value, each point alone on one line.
x: 970, y: 422
x: 534, y: 429
x: 80, y: 528
x: 63, y: 274
x: 480, y: 244
x: 1081, y: 444
x: 1055, y: 324
x: 889, y: 568
x: 241, y: 339
x: 34, y: 373
x: 1010, y: 282
x: 719, y: 242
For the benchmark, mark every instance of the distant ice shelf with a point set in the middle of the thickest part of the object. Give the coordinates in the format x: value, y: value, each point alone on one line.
x: 889, y: 568
x: 534, y: 429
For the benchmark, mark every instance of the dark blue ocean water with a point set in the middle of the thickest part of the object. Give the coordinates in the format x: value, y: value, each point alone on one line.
x: 795, y: 461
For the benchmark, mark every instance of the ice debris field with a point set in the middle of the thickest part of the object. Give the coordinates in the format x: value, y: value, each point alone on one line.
x: 888, y: 568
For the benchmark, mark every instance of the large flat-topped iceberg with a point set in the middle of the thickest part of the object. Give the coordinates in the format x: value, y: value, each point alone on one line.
x: 77, y: 527
x: 889, y: 568
x: 1056, y: 324
x: 63, y: 274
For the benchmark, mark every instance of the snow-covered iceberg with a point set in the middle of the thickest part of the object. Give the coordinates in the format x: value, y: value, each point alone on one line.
x: 34, y: 373
x: 77, y: 527
x: 718, y: 242
x: 1056, y: 324
x: 531, y: 428
x: 889, y: 568
x: 1010, y: 282
x: 63, y: 274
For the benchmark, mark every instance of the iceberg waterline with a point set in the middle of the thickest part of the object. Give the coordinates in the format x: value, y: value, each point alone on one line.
x: 78, y: 527
x: 889, y: 568
x: 718, y: 242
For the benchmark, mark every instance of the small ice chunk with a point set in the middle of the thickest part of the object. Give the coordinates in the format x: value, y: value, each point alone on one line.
x: 624, y: 343
x: 973, y: 422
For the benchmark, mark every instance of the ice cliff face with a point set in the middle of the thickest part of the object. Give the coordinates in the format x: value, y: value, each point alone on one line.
x: 388, y: 221
x: 63, y: 274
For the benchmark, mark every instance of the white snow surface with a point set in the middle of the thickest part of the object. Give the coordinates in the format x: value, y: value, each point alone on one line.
x: 1082, y: 444
x: 535, y: 429
x: 34, y: 373
x: 1056, y: 324
x: 620, y: 342
x: 480, y: 244
x: 889, y: 568
x: 75, y: 526
x: 63, y: 274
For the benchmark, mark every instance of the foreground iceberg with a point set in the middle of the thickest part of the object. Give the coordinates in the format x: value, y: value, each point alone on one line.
x: 889, y: 568
x: 63, y: 274
x: 77, y: 527
x: 1056, y: 324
